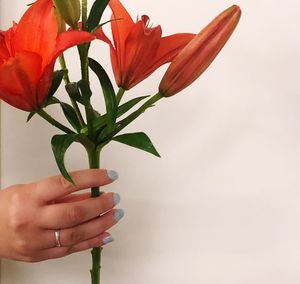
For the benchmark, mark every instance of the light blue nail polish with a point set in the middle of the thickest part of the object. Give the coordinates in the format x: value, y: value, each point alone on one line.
x: 108, y: 239
x: 113, y: 175
x: 119, y: 214
x: 117, y: 198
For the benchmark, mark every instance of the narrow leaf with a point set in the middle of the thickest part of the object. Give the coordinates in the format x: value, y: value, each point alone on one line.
x: 129, y: 105
x: 85, y: 89
x: 108, y: 92
x: 137, y: 140
x: 56, y: 81
x: 96, y: 14
x: 53, y: 101
x: 100, y: 121
x: 71, y: 116
x: 50, y: 101
x: 30, y: 115
x: 60, y: 144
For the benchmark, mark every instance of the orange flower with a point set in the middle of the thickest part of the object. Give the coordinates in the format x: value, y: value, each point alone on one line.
x: 195, y: 58
x: 28, y: 52
x: 138, y: 49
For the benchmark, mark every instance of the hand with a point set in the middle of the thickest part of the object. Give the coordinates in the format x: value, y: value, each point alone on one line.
x: 30, y: 214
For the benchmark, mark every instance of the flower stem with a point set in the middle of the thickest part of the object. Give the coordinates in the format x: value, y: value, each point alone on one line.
x: 63, y: 65
x: 54, y: 122
x: 94, y: 163
x: 84, y: 14
x: 83, y: 50
x: 120, y: 94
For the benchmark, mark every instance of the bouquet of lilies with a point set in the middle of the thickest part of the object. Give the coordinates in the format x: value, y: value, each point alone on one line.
x: 28, y: 81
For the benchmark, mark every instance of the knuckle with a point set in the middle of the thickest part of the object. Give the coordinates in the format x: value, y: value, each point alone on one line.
x: 22, y: 247
x: 76, y: 215
x: 76, y: 236
x: 18, y: 217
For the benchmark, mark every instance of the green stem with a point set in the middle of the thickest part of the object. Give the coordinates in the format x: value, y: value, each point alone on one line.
x: 94, y: 163
x: 84, y: 9
x: 120, y: 95
x: 63, y: 65
x: 83, y: 50
x: 54, y: 122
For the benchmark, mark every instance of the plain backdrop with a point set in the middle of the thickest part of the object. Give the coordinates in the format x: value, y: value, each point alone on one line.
x: 222, y: 204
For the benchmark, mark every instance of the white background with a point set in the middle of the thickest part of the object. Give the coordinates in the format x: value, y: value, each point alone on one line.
x: 222, y: 205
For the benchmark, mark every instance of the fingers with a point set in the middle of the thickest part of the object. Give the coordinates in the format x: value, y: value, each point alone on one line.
x: 32, y: 213
x: 73, y: 198
x: 56, y: 187
x: 86, y: 236
x: 66, y: 215
x: 98, y: 241
x: 89, y: 230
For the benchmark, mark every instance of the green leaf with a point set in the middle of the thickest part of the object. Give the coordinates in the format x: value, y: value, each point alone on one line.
x: 85, y: 89
x: 56, y: 81
x: 96, y: 14
x: 100, y: 121
x: 129, y: 105
x: 137, y: 140
x: 30, y: 115
x: 50, y: 101
x: 53, y: 101
x: 71, y: 116
x: 60, y: 144
x: 108, y: 91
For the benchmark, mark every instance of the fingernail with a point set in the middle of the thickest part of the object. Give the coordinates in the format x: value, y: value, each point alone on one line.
x: 108, y: 239
x: 119, y: 213
x: 113, y: 175
x: 117, y: 198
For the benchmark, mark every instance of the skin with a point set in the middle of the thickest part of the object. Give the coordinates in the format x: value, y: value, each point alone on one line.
x: 31, y: 213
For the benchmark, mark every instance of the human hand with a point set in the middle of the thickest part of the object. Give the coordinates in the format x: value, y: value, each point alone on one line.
x: 30, y: 214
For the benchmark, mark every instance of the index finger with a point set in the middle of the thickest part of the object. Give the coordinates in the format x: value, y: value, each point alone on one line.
x: 57, y: 186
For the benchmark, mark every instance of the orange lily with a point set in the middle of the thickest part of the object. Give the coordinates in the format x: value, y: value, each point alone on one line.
x: 195, y: 58
x: 138, y: 49
x: 28, y: 51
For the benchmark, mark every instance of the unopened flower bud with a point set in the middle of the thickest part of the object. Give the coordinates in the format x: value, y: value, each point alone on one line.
x: 69, y: 10
x: 196, y: 56
x: 61, y: 24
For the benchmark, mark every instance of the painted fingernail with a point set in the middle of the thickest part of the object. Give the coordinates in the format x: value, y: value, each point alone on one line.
x: 117, y: 198
x: 107, y: 240
x: 113, y: 175
x: 119, y: 213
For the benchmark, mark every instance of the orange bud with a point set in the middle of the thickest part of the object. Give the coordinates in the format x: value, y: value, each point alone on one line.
x: 199, y: 53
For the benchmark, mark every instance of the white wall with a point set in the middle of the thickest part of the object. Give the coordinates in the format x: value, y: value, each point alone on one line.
x: 222, y: 205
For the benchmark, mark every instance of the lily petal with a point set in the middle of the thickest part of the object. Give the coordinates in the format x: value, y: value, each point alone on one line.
x: 68, y: 39
x: 24, y: 71
x: 37, y: 29
x: 141, y: 47
x: 121, y: 26
x: 169, y: 48
x: 44, y: 84
x: 4, y: 54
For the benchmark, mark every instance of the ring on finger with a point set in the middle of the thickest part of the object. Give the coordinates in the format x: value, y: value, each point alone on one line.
x: 57, y: 238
